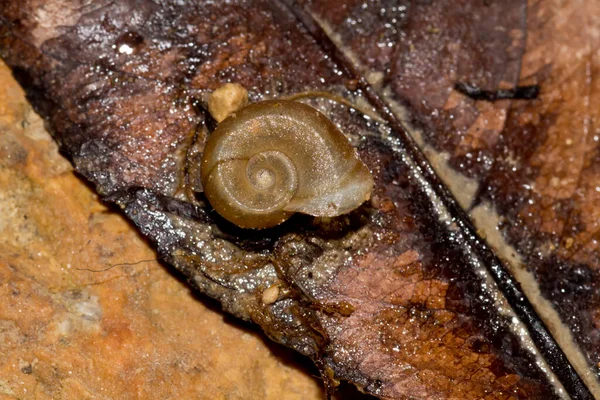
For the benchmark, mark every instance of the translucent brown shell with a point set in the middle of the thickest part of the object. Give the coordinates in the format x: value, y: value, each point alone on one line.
x: 274, y: 158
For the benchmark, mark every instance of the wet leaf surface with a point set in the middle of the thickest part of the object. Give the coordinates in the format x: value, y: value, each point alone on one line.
x: 399, y: 297
x: 527, y: 171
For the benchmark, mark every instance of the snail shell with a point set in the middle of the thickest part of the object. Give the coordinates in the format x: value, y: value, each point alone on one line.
x: 274, y: 158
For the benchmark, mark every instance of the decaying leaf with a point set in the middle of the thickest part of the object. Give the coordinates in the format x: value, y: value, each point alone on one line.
x: 400, y: 297
x: 527, y: 171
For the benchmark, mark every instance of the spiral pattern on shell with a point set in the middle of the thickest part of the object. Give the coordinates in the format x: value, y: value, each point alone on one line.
x: 274, y: 158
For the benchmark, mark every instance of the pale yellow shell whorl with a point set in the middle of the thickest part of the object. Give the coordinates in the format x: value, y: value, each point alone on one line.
x: 274, y: 158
